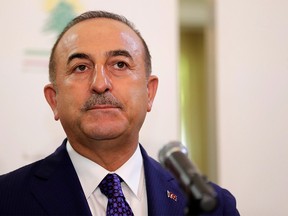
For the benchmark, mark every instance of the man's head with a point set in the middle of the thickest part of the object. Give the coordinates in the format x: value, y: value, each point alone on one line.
x: 101, y: 87
x: 92, y: 15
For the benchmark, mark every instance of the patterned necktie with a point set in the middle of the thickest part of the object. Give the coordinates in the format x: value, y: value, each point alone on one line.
x: 110, y: 186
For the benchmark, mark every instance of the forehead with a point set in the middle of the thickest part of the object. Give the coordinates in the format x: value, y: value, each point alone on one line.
x: 100, y: 34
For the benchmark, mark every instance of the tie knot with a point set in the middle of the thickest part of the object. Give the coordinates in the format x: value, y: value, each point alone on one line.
x: 110, y: 186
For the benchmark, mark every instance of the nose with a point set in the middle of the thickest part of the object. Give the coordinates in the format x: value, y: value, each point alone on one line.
x: 100, y: 81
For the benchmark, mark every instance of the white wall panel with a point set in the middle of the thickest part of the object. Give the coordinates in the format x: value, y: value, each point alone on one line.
x: 252, y: 111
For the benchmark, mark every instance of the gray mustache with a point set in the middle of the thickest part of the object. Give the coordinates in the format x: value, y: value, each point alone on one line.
x: 102, y: 99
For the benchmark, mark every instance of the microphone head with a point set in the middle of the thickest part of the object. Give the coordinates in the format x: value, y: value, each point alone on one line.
x: 170, y: 148
x: 201, y: 195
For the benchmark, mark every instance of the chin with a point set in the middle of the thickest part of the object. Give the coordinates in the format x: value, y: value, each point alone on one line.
x: 104, y: 131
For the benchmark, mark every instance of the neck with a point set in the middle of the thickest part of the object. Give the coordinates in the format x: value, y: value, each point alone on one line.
x: 109, y: 154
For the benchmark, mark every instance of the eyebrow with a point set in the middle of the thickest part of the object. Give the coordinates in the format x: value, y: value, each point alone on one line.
x: 111, y: 53
x: 119, y: 52
x: 79, y: 56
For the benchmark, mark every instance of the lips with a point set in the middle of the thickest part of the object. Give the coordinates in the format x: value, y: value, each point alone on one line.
x: 104, y: 106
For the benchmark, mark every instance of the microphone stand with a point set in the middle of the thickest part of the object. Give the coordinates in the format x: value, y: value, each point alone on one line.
x: 201, y: 199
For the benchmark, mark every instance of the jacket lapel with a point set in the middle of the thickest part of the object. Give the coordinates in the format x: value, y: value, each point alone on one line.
x: 57, y: 187
x: 163, y: 193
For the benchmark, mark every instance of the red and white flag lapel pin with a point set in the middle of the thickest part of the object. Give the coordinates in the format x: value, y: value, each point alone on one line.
x: 171, y: 195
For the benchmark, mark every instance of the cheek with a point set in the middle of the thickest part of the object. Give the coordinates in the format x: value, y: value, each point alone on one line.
x: 138, y: 98
x: 70, y: 98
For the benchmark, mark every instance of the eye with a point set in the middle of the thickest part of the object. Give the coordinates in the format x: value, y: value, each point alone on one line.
x: 120, y: 65
x: 81, y: 68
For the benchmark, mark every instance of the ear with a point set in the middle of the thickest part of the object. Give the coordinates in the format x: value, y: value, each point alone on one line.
x: 50, y: 95
x: 152, y: 86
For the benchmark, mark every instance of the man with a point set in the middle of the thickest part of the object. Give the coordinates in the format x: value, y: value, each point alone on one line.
x: 101, y: 89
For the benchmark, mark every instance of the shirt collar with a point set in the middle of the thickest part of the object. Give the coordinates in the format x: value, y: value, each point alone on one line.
x: 91, y: 174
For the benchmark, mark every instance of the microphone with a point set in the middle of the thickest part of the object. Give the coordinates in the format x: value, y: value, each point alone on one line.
x: 201, y: 195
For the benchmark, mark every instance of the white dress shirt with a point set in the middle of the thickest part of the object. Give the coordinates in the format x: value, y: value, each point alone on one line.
x: 91, y: 174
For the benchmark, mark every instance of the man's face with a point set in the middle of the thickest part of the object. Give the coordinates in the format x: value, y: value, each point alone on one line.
x: 102, y: 90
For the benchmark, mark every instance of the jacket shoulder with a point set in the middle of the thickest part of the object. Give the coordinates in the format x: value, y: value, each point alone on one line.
x: 15, y: 195
x: 226, y: 202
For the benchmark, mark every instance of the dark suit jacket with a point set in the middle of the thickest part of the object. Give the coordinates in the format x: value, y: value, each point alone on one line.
x: 51, y: 187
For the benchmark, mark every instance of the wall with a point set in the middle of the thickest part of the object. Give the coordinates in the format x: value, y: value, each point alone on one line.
x: 28, y: 131
x: 252, y: 103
